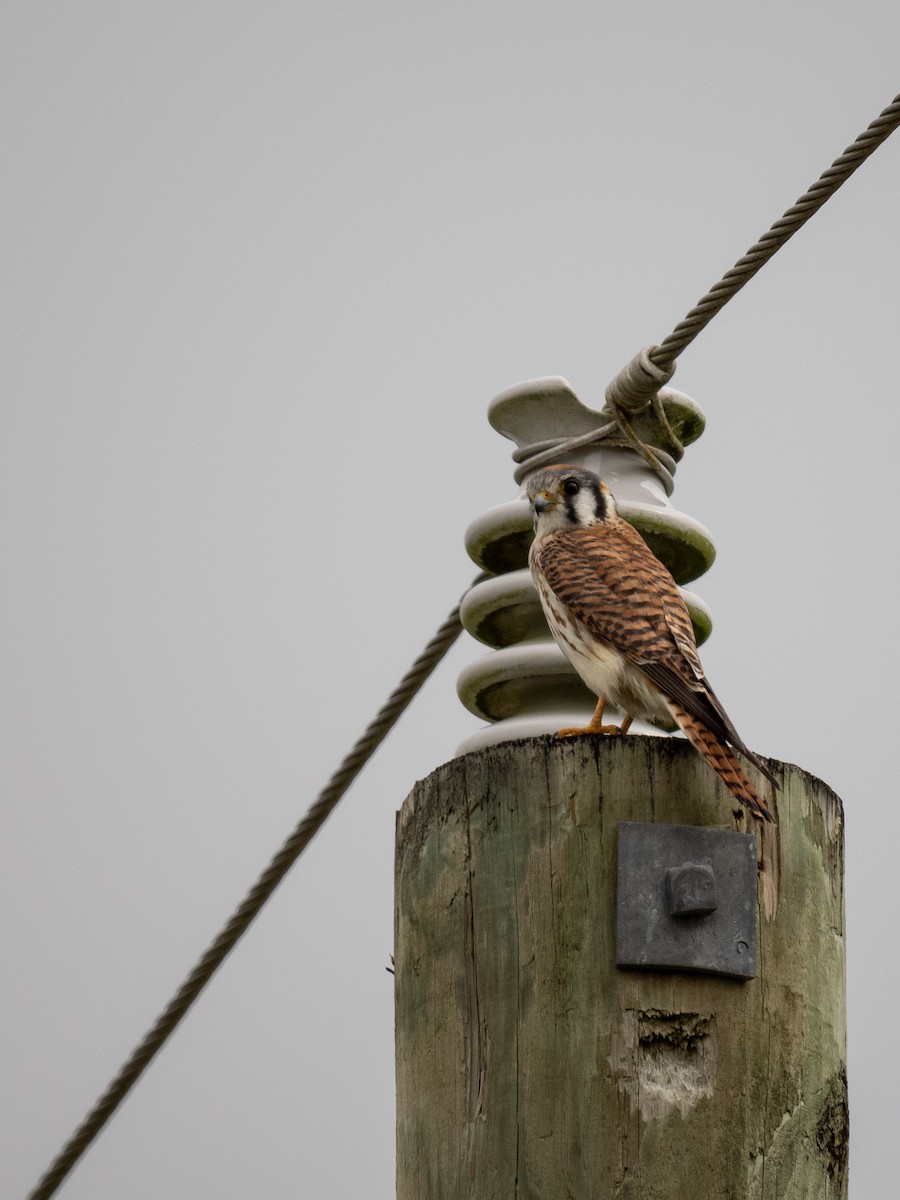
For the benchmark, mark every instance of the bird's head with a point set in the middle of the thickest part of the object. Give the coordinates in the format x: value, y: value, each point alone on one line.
x: 566, y: 497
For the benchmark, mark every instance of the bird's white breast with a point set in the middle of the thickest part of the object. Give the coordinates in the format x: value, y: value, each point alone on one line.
x: 598, y: 664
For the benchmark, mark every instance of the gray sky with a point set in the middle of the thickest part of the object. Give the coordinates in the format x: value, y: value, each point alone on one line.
x: 265, y: 265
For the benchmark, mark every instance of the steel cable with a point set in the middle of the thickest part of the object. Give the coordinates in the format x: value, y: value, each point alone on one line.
x: 637, y: 385
x: 250, y: 907
x: 798, y: 214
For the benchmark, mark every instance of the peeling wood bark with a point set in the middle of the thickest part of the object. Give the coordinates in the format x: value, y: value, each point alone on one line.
x: 529, y: 1065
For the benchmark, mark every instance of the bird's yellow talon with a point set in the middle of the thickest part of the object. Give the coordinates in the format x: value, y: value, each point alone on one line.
x: 595, y: 724
x: 609, y: 730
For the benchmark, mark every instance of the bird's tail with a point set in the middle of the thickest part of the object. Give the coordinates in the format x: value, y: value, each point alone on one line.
x: 722, y: 760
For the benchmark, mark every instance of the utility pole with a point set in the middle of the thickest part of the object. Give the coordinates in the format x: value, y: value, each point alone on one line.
x: 609, y: 982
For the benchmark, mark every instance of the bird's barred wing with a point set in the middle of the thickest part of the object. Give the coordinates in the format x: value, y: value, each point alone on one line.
x: 682, y: 630
x: 610, y: 580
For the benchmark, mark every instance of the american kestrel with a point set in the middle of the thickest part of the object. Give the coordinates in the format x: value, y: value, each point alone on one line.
x: 619, y: 618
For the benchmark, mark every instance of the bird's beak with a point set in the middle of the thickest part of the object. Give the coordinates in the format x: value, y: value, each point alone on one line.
x: 541, y: 503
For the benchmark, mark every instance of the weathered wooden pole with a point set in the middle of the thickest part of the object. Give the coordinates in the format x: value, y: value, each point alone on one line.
x: 605, y: 989
x: 530, y: 1065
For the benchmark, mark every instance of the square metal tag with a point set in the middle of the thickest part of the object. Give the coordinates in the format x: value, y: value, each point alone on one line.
x: 686, y: 899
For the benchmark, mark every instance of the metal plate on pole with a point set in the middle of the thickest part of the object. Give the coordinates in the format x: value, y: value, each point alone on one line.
x: 686, y: 899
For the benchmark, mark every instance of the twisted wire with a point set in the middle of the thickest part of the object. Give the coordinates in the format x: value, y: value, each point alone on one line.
x: 639, y: 381
x: 797, y: 215
x: 250, y: 907
x: 615, y: 433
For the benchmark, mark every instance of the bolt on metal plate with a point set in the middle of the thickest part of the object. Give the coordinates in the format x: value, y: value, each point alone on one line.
x: 686, y: 899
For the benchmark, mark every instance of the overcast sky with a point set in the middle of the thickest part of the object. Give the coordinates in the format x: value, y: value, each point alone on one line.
x: 264, y: 267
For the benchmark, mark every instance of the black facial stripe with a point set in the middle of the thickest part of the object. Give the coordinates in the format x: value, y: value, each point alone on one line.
x: 599, y: 505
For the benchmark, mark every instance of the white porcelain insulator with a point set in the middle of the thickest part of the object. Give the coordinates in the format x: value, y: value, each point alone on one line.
x: 525, y: 686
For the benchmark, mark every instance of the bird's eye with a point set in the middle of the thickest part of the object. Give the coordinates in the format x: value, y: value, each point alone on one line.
x: 571, y: 487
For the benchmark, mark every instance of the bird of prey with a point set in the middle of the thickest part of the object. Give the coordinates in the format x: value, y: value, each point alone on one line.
x: 619, y: 618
